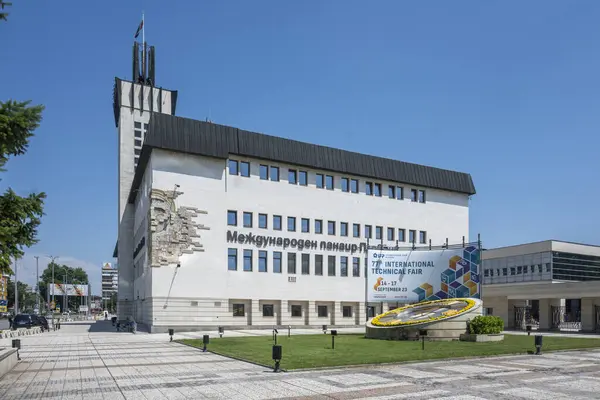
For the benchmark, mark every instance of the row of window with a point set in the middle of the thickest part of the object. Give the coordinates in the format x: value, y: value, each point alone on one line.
x: 276, y: 263
x: 392, y: 234
x: 268, y: 310
x: 519, y: 270
x: 324, y: 181
x: 138, y: 137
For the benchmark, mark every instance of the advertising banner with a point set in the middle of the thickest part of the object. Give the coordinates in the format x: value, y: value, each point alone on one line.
x: 3, y: 294
x: 422, y: 275
x: 59, y: 289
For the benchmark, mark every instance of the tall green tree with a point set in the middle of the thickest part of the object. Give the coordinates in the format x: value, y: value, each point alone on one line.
x: 75, y: 275
x: 4, y: 15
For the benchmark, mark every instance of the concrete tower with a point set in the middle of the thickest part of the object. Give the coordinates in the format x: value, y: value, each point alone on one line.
x: 134, y: 102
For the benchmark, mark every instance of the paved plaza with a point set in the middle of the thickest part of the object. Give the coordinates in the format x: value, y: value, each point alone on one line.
x: 83, y: 361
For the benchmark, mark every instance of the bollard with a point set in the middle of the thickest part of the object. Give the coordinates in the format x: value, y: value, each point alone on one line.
x: 204, y: 342
x: 171, y: 332
x: 277, y: 354
x: 324, y: 329
x: 16, y: 344
x: 289, y: 330
x: 333, y: 335
x: 221, y: 331
x: 422, y: 334
x: 528, y: 329
x: 538, y: 344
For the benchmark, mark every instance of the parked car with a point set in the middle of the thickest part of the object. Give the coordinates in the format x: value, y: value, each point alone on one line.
x: 44, y: 322
x: 22, y: 321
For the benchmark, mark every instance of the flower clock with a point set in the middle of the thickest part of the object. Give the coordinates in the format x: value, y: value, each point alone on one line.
x: 425, y: 312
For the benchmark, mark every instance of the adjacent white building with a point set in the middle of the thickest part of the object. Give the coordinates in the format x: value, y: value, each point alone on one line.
x: 235, y: 228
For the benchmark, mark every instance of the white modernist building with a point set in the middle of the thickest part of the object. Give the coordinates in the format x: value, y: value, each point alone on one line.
x: 223, y: 227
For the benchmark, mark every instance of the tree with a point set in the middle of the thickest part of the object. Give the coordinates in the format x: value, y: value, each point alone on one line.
x: 4, y: 15
x: 19, y: 216
x: 24, y: 295
x: 75, y: 275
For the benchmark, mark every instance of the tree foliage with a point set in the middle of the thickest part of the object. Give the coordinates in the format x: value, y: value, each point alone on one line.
x: 19, y: 216
x: 75, y: 275
x: 4, y: 15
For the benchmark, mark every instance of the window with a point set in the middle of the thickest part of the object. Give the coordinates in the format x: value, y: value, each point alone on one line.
x: 322, y: 311
x: 368, y: 231
x: 392, y: 191
x: 400, y: 193
x: 293, y: 176
x: 329, y: 182
x: 232, y: 259
x: 291, y: 261
x: 519, y: 270
x: 320, y: 181
x: 262, y: 221
x: 274, y: 172
x: 401, y: 235
x: 238, y: 310
x: 412, y: 236
x: 331, y: 227
x: 137, y: 142
x: 422, y: 237
x: 390, y: 233
x: 233, y: 167
x: 331, y: 265
x: 345, y: 184
x: 421, y: 196
x: 291, y: 222
x: 318, y: 226
x: 369, y: 188
x: 303, y: 178
x: 277, y: 262
x: 347, y: 311
x: 377, y: 189
x: 354, y: 185
x: 247, y: 260
x: 138, y: 134
x: 525, y: 270
x: 247, y: 220
x: 296, y: 310
x: 245, y: 168
x: 137, y: 125
x: 512, y: 270
x: 137, y: 152
x: 343, y: 266
x: 268, y: 310
x: 318, y: 264
x: 413, y: 195
x: 305, y: 264
x: 277, y: 222
x: 343, y: 228
x: 548, y: 267
x: 232, y: 218
x: 378, y: 232
x: 264, y: 172
x: 355, y: 266
x: 305, y: 222
x: 356, y: 230
x: 262, y: 261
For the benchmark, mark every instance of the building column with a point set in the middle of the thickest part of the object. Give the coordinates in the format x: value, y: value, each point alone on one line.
x: 312, y: 313
x: 284, y: 313
x: 546, y: 312
x: 512, y: 324
x: 361, y: 314
x: 337, y: 318
x: 588, y: 314
x: 255, y: 313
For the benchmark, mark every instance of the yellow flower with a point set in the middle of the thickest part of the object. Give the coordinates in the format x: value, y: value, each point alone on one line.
x: 470, y: 303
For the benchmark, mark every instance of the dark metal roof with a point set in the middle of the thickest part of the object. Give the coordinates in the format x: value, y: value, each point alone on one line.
x: 207, y: 139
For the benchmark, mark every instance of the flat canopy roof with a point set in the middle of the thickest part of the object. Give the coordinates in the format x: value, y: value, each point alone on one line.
x: 207, y: 139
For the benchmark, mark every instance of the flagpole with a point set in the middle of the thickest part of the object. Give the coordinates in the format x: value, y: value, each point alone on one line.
x: 143, y: 32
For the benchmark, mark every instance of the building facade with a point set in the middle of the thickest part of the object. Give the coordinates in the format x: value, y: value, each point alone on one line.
x: 547, y: 285
x: 110, y: 282
x: 239, y: 229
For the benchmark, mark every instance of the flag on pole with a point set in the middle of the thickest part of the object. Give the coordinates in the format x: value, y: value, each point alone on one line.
x: 139, y: 29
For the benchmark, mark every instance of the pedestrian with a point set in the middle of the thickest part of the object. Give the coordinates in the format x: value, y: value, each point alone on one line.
x: 10, y: 321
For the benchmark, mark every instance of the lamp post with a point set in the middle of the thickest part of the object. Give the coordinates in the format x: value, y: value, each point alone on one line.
x: 37, y: 284
x: 16, y: 289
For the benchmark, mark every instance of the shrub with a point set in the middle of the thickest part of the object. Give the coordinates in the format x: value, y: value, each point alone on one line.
x: 486, y: 325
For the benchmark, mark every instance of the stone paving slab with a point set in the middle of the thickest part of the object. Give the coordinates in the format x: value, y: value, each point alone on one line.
x: 93, y: 362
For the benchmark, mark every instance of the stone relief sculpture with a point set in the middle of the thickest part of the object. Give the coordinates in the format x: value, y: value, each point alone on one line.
x: 173, y: 230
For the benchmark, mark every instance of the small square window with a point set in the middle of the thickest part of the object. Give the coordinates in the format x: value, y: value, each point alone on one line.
x: 413, y: 195
x: 262, y: 221
x: 137, y: 134
x: 137, y: 151
x: 232, y: 259
x: 233, y: 167
x: 343, y: 229
x: 401, y: 235
x: 303, y: 178
x: 264, y: 172
x: 329, y: 182
x: 400, y: 193
x: 137, y: 125
x: 293, y: 176
x: 320, y: 181
x: 369, y: 188
x: 248, y: 260
x: 245, y: 168
x: 291, y: 224
x: 331, y: 227
x: 232, y: 218
x: 277, y: 222
x: 247, y: 219
x: 268, y: 310
x: 421, y: 196
x: 318, y: 226
x: 390, y: 234
x: 345, y: 183
x: 145, y: 127
x: 322, y: 311
x: 354, y: 185
x: 356, y: 230
x: 377, y: 189
x: 347, y: 311
x: 378, y: 232
x: 296, y: 311
x: 305, y: 225
x: 137, y: 142
x: 274, y: 172
x: 238, y: 310
x: 422, y: 237
x: 392, y: 191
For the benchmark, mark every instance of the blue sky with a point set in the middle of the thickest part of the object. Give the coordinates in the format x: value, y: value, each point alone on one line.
x: 507, y: 91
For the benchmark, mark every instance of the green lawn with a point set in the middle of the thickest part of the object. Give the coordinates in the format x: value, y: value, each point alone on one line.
x: 311, y: 351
